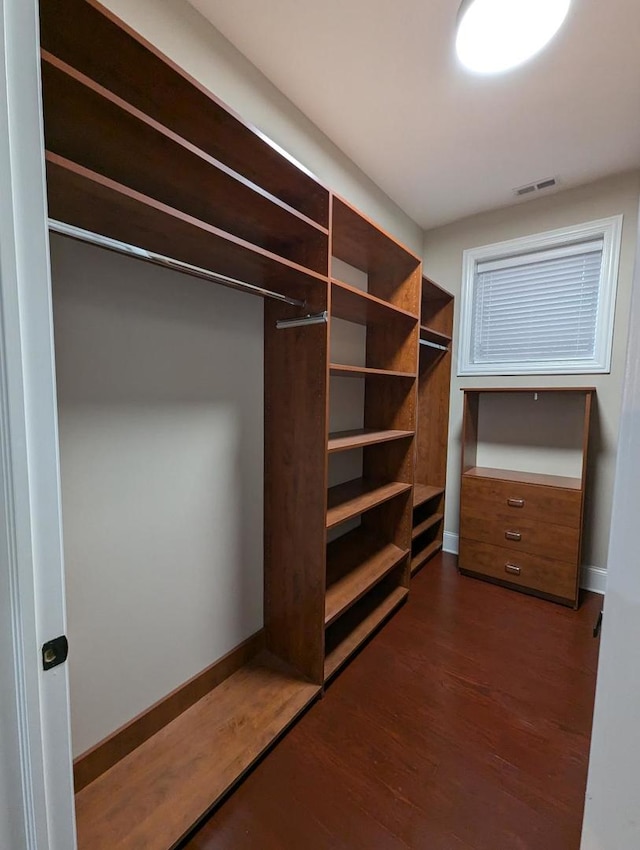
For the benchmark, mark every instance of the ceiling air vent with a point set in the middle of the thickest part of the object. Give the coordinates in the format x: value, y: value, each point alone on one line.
x: 538, y: 186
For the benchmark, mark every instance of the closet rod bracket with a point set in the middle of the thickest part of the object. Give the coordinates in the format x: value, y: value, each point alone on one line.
x: 300, y: 321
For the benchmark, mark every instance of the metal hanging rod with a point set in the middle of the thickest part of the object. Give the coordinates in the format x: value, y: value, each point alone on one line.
x: 311, y: 319
x: 166, y: 262
x: 436, y: 345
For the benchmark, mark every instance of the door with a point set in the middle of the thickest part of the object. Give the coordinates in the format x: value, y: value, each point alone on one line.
x: 36, y: 791
x: 612, y: 811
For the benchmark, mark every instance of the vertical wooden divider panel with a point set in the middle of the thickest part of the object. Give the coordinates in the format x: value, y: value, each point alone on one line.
x: 295, y: 484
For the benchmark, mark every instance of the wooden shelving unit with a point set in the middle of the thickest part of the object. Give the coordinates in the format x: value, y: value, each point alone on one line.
x: 139, y: 152
x: 367, y: 569
x: 436, y: 328
x: 521, y: 526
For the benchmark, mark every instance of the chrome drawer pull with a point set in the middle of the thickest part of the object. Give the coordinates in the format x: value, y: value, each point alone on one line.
x: 513, y: 535
x: 515, y: 503
x: 511, y: 568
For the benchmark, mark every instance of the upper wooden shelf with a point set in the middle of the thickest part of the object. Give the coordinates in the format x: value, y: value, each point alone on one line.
x: 93, y: 40
x: 355, y: 563
x: 88, y: 200
x: 155, y: 795
x: 342, y: 441
x: 120, y: 142
x: 354, y: 305
x: 353, y: 498
x: 341, y: 371
x: 524, y: 477
x: 424, y: 492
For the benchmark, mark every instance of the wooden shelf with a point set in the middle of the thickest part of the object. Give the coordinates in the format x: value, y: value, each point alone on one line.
x: 88, y: 37
x: 342, y: 441
x: 524, y: 477
x: 353, y: 498
x: 355, y: 564
x: 424, y: 492
x: 354, y: 627
x: 354, y: 305
x: 424, y: 555
x: 153, y: 796
x: 433, y: 335
x: 428, y: 523
x: 112, y: 131
x: 88, y: 200
x: 340, y: 371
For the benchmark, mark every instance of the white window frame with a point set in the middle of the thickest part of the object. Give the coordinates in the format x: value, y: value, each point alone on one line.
x: 607, y: 229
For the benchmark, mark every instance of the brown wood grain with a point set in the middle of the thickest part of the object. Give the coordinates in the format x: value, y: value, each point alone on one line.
x: 91, y: 201
x: 525, y: 478
x: 348, y: 500
x: 349, y: 632
x: 363, y: 308
x: 393, y: 270
x: 123, y: 741
x: 120, y: 142
x: 426, y: 524
x: 423, y: 554
x: 558, y: 542
x: 424, y: 493
x: 546, y: 575
x: 339, y: 370
x: 488, y: 499
x: 341, y: 441
x: 355, y: 563
x: 93, y: 40
x: 161, y: 789
x: 295, y: 487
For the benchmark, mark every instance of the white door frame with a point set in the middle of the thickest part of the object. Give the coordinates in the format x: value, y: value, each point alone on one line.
x: 612, y: 810
x: 36, y: 788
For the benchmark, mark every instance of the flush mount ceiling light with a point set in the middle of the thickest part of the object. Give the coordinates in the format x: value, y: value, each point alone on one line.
x: 495, y: 35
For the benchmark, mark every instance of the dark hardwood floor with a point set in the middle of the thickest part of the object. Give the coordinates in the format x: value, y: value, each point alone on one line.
x: 463, y: 725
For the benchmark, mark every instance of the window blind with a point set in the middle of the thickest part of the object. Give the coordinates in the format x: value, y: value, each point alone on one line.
x: 538, y: 307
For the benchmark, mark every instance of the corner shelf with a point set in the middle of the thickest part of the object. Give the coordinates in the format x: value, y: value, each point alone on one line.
x: 195, y: 759
x: 356, y: 562
x: 349, y: 500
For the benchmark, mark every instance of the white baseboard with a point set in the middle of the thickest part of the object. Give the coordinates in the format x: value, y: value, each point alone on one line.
x: 450, y: 543
x: 591, y: 578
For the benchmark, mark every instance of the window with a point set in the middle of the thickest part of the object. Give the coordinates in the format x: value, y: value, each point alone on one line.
x: 542, y: 304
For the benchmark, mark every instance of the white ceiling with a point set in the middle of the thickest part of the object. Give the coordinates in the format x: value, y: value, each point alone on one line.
x: 380, y: 78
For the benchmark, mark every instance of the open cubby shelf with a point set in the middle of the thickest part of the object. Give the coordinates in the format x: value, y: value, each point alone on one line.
x: 351, y: 630
x: 421, y: 556
x: 363, y: 308
x: 153, y: 796
x: 342, y: 441
x: 356, y: 562
x: 434, y: 336
x: 424, y: 493
x: 425, y: 525
x: 349, y: 500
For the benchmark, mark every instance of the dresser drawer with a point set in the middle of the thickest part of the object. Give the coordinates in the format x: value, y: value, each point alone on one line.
x: 489, y: 499
x: 534, y: 572
x: 535, y: 537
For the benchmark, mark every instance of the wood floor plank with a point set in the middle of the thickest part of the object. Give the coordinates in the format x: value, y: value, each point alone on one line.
x: 463, y: 725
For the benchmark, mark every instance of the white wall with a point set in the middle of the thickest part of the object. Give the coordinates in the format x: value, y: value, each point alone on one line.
x: 160, y: 389
x: 612, y: 811
x: 177, y: 29
x: 443, y: 262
